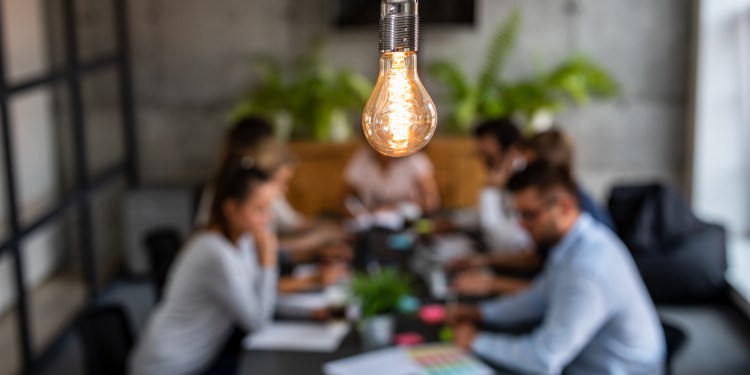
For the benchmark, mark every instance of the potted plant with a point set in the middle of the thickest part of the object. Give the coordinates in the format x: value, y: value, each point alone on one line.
x: 533, y: 100
x: 310, y: 100
x: 378, y: 295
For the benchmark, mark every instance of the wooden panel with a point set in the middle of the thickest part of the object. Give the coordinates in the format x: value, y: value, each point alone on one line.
x: 458, y: 170
x: 318, y: 186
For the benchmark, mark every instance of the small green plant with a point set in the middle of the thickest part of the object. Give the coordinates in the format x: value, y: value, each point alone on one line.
x: 317, y: 99
x: 380, y: 293
x: 577, y: 79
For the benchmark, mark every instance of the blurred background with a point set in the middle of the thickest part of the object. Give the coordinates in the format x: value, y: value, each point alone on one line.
x: 112, y: 113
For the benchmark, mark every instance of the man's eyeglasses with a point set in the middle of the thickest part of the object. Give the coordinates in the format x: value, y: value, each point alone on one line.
x: 533, y: 214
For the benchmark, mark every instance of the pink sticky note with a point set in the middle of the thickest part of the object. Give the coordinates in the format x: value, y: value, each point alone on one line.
x: 432, y: 314
x: 409, y: 339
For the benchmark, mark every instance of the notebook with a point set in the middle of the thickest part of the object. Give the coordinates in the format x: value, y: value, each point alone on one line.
x: 298, y: 336
x: 429, y: 359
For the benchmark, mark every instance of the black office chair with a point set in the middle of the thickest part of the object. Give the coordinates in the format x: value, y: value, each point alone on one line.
x: 162, y: 246
x: 676, y: 339
x: 106, y: 338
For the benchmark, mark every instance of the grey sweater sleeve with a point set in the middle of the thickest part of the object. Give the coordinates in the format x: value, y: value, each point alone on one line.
x: 248, y: 294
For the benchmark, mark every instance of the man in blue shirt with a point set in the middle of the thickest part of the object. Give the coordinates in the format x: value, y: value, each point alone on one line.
x: 597, y: 317
x: 556, y: 147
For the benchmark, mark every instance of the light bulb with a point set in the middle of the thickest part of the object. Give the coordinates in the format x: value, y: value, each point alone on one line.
x: 400, y: 117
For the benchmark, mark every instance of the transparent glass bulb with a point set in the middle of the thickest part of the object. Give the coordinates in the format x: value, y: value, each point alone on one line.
x: 400, y: 117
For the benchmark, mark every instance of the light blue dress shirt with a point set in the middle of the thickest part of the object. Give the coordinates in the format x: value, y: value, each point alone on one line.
x: 597, y: 317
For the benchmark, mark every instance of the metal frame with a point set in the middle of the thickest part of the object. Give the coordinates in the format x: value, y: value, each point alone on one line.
x: 86, y: 185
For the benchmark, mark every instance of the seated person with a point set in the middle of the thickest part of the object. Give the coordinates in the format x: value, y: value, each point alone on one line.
x: 596, y: 315
x: 304, y: 238
x: 498, y: 142
x: 253, y: 138
x: 509, y: 244
x: 382, y: 182
x: 226, y: 275
x: 307, y: 240
x: 555, y: 147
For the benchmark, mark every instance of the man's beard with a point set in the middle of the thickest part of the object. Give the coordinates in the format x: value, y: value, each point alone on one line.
x: 545, y: 245
x: 543, y: 249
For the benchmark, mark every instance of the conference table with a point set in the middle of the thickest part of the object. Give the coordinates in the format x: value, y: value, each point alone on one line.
x: 371, y: 244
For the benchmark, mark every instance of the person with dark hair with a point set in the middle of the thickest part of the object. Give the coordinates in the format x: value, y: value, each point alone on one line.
x: 246, y: 133
x: 496, y: 137
x: 225, y: 276
x: 596, y: 315
x: 301, y: 240
x: 557, y: 148
x: 509, y: 245
x: 251, y: 136
x: 498, y: 142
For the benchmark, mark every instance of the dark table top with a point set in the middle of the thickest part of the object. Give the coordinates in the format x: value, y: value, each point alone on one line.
x: 278, y: 362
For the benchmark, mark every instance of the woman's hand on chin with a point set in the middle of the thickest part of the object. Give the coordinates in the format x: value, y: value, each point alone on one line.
x: 268, y: 247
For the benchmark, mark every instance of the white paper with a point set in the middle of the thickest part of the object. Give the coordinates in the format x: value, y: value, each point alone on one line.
x: 298, y: 336
x: 305, y: 270
x: 449, y: 247
x: 391, y: 361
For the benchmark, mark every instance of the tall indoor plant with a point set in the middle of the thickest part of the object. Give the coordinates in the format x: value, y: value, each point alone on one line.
x: 577, y: 79
x: 308, y: 100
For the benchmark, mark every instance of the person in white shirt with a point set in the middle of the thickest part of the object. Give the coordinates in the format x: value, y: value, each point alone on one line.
x: 305, y: 238
x: 498, y: 142
x: 383, y: 182
x: 225, y: 276
x: 509, y: 244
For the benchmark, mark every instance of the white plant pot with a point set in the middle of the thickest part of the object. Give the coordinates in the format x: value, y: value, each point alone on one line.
x: 341, y: 130
x: 376, y: 332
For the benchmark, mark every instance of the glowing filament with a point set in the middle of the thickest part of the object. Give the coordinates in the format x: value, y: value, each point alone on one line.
x: 401, y: 108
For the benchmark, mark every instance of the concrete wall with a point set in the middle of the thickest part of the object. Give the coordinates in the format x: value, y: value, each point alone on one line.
x: 191, y: 64
x: 192, y: 60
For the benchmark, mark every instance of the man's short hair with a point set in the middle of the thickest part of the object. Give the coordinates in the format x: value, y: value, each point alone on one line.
x: 503, y: 130
x: 544, y: 176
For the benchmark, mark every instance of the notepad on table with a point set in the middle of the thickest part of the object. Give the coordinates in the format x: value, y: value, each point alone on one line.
x: 298, y: 336
x: 391, y: 361
x: 429, y: 359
